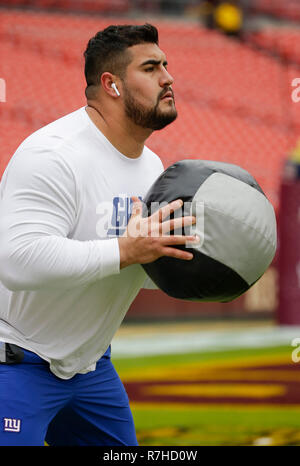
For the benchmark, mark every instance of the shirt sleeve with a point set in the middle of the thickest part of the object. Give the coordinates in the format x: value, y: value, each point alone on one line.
x: 38, y: 209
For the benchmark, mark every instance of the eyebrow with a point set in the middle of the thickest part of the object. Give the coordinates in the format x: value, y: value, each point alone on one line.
x: 153, y: 62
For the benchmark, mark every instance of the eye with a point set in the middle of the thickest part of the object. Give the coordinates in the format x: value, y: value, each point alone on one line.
x: 149, y: 69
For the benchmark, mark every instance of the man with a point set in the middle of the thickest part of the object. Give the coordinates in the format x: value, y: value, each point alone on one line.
x: 70, y: 267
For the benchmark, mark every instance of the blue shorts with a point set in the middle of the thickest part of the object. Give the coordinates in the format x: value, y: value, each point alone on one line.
x: 88, y: 409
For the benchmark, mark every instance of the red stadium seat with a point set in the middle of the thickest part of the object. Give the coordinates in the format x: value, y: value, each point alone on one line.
x: 233, y: 101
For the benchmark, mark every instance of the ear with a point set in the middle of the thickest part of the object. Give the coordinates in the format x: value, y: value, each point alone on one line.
x: 106, y: 81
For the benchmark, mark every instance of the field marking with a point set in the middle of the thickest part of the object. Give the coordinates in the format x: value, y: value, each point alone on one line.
x: 166, y: 406
x: 203, y: 369
x: 202, y: 341
x: 214, y: 390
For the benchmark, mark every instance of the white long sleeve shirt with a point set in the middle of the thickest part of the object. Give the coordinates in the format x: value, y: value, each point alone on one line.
x: 64, y: 199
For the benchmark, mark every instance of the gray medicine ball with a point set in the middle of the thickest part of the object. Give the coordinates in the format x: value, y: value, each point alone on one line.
x: 237, y: 229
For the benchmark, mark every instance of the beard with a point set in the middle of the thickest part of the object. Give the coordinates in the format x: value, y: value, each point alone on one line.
x: 152, y: 118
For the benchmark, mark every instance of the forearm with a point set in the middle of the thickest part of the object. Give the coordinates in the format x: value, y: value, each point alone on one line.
x: 57, y: 262
x: 38, y: 210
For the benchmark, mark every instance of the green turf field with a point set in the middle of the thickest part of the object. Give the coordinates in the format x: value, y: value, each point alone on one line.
x: 238, y: 397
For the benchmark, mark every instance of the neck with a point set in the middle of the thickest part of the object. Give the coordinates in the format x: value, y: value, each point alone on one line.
x: 126, y: 137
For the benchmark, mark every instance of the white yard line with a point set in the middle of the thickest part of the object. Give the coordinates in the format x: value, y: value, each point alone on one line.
x: 201, y: 341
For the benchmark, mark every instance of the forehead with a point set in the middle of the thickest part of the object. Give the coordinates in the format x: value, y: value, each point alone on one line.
x: 143, y: 52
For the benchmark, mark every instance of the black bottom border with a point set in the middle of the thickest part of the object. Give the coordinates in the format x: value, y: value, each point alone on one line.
x: 145, y: 455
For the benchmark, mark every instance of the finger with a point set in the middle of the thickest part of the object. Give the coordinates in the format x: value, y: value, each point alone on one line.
x: 173, y: 224
x: 137, y: 206
x: 177, y: 253
x: 178, y: 239
x: 165, y: 211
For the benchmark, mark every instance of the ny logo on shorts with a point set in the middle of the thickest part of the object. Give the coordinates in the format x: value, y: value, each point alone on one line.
x: 11, y: 425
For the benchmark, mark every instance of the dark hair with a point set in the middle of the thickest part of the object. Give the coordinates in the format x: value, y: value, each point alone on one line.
x: 106, y: 50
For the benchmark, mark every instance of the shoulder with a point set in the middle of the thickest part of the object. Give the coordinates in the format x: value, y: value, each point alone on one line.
x: 35, y: 166
x: 51, y: 148
x: 58, y: 134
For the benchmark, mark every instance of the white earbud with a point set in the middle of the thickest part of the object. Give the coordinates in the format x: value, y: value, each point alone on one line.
x: 113, y: 85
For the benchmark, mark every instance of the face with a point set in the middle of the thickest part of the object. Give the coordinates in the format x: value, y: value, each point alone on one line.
x: 147, y: 88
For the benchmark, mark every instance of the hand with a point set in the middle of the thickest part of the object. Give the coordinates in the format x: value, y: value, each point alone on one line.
x: 146, y: 238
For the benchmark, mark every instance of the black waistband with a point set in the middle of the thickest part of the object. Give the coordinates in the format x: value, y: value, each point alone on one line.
x: 10, y: 354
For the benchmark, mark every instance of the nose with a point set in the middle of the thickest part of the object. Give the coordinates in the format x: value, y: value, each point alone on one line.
x: 166, y: 79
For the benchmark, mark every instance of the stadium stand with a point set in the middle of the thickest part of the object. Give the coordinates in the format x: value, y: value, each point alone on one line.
x: 232, y: 100
x: 288, y: 9
x: 89, y: 6
x: 281, y: 42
